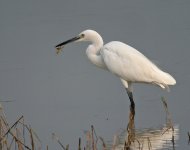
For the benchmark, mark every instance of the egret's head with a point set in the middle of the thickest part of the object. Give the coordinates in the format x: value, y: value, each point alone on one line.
x: 87, y: 35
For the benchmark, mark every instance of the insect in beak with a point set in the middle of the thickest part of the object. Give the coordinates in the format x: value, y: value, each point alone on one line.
x: 60, y: 46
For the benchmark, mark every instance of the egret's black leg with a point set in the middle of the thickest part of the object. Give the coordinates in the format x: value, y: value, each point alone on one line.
x: 132, y: 107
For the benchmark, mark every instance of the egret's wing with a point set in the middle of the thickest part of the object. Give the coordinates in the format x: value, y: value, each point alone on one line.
x: 128, y: 63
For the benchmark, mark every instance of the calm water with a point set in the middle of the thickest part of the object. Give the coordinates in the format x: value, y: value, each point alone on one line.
x: 66, y: 94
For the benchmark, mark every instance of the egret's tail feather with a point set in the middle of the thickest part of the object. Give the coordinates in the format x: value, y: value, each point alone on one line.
x: 168, y: 79
x: 164, y: 80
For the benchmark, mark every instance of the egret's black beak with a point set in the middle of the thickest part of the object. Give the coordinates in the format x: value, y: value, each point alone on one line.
x: 68, y: 41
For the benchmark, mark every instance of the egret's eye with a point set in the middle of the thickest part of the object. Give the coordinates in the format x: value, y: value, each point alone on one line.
x: 82, y: 35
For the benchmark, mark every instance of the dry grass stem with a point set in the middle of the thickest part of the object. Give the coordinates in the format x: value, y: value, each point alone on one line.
x: 31, y: 139
x: 12, y: 127
x: 15, y: 136
x: 55, y: 137
x: 168, y: 115
x: 20, y: 146
x: 79, y: 147
x: 104, y: 147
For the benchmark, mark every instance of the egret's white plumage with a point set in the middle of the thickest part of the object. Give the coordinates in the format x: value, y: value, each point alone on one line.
x: 132, y: 66
x: 126, y: 62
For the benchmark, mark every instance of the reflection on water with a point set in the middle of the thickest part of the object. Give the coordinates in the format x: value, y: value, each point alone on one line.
x: 155, y: 138
x: 149, y: 139
x: 163, y: 137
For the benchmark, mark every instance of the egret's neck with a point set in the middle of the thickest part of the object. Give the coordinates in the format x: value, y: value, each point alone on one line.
x: 98, y: 43
x: 93, y: 52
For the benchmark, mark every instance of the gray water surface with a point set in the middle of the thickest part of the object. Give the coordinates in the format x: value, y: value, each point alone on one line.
x: 65, y: 93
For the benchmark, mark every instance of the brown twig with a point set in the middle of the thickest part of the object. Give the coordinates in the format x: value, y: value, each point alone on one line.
x: 31, y: 138
x: 168, y: 116
x: 79, y: 147
x: 20, y: 146
x: 17, y: 140
x: 103, y: 143
x: 54, y: 136
x: 149, y: 143
x: 92, y: 132
x: 11, y: 128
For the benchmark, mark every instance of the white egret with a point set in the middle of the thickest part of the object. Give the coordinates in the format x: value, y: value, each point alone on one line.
x: 130, y: 65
